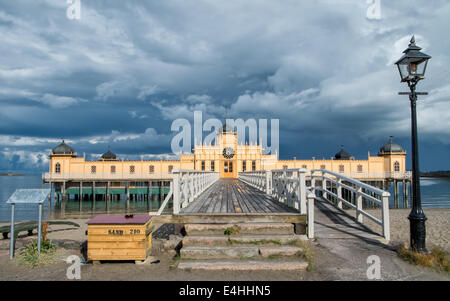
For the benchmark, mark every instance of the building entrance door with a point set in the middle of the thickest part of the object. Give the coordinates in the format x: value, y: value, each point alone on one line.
x: 228, y: 169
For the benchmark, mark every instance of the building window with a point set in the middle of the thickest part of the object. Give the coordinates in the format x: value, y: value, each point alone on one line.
x: 93, y: 169
x: 58, y: 168
x: 244, y: 166
x: 212, y: 166
x: 203, y: 165
x: 360, y: 168
x: 132, y: 169
x: 396, y: 166
x: 151, y: 169
x: 285, y: 167
x: 253, y: 165
x: 322, y: 167
x: 304, y: 166
x: 341, y: 168
x: 113, y: 169
x: 170, y: 168
x: 230, y: 167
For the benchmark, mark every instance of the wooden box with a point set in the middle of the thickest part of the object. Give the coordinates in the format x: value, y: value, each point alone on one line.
x: 116, y: 237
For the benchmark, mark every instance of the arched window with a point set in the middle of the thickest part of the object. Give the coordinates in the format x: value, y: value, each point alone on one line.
x: 113, y: 169
x: 203, y: 165
x: 244, y: 165
x: 396, y: 166
x: 170, y: 168
x: 93, y: 169
x: 304, y: 166
x: 57, y: 168
x: 212, y: 166
x: 253, y: 165
x: 322, y: 166
x: 151, y: 169
x: 360, y: 168
x: 132, y: 169
x: 341, y: 168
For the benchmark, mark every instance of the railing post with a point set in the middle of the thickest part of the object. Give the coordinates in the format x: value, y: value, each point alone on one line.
x: 313, y: 183
x: 310, y: 215
x: 302, y: 188
x: 385, y: 215
x: 339, y: 193
x: 324, y: 186
x: 176, y: 193
x: 269, y: 182
x: 359, y: 215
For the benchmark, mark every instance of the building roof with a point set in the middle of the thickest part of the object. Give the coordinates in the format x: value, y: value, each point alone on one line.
x: 391, y: 147
x: 63, y: 149
x: 342, y: 155
x: 109, y: 155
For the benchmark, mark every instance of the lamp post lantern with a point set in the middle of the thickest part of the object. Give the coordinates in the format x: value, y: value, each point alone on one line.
x: 412, y: 66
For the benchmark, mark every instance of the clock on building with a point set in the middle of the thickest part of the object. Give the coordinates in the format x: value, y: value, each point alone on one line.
x: 228, y: 153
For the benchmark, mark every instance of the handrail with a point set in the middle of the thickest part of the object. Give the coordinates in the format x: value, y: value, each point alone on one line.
x: 286, y: 185
x: 107, y: 176
x: 166, y: 201
x: 188, y: 185
x: 361, y: 191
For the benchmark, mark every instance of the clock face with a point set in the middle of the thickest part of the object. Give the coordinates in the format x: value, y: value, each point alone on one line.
x: 228, y: 153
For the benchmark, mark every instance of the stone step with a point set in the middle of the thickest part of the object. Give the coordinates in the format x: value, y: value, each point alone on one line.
x: 242, y: 252
x: 239, y: 229
x: 244, y: 265
x: 218, y: 252
x: 241, y: 240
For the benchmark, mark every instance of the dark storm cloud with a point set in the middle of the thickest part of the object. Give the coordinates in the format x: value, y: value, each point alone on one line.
x: 126, y: 69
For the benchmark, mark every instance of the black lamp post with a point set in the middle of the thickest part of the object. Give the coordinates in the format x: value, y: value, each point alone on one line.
x: 412, y: 67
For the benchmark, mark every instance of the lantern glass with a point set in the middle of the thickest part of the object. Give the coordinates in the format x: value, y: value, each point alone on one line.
x: 412, y: 68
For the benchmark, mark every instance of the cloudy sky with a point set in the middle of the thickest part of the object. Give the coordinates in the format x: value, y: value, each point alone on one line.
x: 125, y: 70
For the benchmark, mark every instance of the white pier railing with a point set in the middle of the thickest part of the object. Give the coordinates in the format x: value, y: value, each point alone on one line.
x: 188, y: 185
x: 119, y: 176
x: 288, y: 186
x: 331, y: 188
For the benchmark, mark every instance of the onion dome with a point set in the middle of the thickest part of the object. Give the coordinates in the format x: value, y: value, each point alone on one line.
x: 63, y: 149
x: 109, y: 155
x: 342, y: 155
x: 391, y: 147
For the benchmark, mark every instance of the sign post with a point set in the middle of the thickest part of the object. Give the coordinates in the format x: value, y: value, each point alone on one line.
x: 27, y: 196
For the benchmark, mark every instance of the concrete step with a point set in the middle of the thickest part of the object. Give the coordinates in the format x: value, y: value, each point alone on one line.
x: 242, y: 252
x: 244, y: 265
x: 284, y: 251
x: 218, y: 252
x: 239, y: 229
x: 241, y: 240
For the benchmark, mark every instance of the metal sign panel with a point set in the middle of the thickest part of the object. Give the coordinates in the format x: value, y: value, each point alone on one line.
x: 29, y: 196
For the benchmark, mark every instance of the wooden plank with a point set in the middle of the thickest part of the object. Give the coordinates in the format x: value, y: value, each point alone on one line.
x: 239, y: 193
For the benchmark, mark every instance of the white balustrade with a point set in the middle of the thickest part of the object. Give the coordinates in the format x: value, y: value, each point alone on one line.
x: 107, y: 176
x: 331, y: 188
x: 188, y: 185
x: 285, y: 185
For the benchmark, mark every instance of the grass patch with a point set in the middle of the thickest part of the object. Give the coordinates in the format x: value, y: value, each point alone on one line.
x: 274, y: 256
x: 232, y: 230
x: 29, y: 255
x: 437, y: 259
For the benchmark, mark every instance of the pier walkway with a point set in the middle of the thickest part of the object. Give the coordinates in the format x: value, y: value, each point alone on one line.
x: 235, y: 196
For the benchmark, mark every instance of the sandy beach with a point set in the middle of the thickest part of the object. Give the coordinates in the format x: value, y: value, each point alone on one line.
x: 437, y: 226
